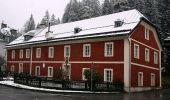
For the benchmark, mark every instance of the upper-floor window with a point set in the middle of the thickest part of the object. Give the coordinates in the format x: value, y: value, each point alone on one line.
x: 146, y: 33
x: 109, y: 49
x: 136, y: 51
x: 50, y: 52
x: 140, y: 78
x: 13, y: 54
x: 21, y: 53
x: 67, y: 51
x: 38, y: 52
x: 155, y: 58
x: 147, y: 55
x: 27, y: 53
x: 108, y: 75
x: 86, y: 50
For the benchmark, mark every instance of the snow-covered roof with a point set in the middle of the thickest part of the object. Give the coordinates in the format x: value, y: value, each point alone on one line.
x: 93, y: 27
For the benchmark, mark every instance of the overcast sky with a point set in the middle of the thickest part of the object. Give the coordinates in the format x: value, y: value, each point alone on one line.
x: 16, y: 12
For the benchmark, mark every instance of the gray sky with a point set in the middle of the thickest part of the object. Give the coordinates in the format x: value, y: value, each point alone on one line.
x: 16, y: 12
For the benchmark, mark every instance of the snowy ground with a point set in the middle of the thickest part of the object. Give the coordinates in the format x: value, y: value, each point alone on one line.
x: 11, y: 83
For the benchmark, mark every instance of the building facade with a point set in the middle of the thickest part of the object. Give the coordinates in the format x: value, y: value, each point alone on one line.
x: 121, y: 47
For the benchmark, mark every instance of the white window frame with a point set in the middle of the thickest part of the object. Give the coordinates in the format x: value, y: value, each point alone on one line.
x: 105, y: 75
x: 38, y: 52
x: 27, y: 53
x: 65, y: 48
x: 86, y: 50
x: 21, y: 68
x: 140, y: 80
x: 52, y: 72
x: 153, y: 78
x: 13, y: 54
x: 12, y: 68
x: 36, y: 70
x: 147, y: 56
x: 21, y: 53
x: 147, y: 33
x: 155, y: 58
x: 136, y: 52
x: 106, y: 49
x: 83, y: 70
x: 51, y: 52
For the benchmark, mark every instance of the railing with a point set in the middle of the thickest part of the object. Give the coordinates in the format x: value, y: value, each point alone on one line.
x: 45, y: 82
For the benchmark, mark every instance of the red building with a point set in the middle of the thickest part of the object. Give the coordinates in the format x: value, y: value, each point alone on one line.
x: 122, y: 47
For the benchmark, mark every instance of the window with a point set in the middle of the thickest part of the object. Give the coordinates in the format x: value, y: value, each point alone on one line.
x: 50, y: 71
x: 155, y: 58
x: 38, y: 52
x: 21, y: 54
x: 152, y: 79
x: 140, y: 78
x: 108, y: 75
x: 37, y: 70
x: 146, y: 34
x: 13, y: 54
x: 27, y: 53
x: 83, y: 76
x: 147, y: 57
x: 86, y: 50
x: 109, y: 49
x: 50, y: 52
x: 136, y: 51
x: 66, y: 51
x: 20, y: 68
x: 12, y: 68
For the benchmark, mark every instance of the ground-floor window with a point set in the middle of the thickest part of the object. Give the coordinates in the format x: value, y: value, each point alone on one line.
x: 140, y: 78
x: 152, y: 79
x: 12, y: 68
x: 83, y: 76
x: 20, y: 68
x: 108, y: 75
x: 37, y: 70
x: 50, y: 71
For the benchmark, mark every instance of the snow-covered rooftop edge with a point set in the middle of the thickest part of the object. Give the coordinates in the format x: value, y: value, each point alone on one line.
x: 93, y: 27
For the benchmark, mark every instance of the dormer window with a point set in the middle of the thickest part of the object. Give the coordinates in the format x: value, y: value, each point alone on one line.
x: 77, y: 30
x: 118, y: 23
x: 27, y: 37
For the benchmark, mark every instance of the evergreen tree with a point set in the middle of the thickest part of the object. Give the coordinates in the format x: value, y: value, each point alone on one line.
x: 107, y: 7
x: 29, y: 25
x: 54, y: 21
x: 45, y: 19
x: 120, y: 5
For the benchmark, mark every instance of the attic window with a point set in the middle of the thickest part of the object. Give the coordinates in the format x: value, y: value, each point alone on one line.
x: 118, y: 23
x: 77, y: 30
x: 27, y: 37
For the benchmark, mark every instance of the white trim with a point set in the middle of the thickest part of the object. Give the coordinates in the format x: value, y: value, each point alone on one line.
x: 160, y: 73
x: 136, y: 54
x: 13, y: 54
x: 152, y: 79
x: 145, y: 45
x: 51, y: 54
x: 144, y: 66
x: 83, y: 76
x: 27, y: 53
x: 105, y: 76
x: 140, y: 80
x: 21, y: 68
x: 67, y: 46
x: 84, y: 50
x: 105, y: 49
x: 38, y: 52
x: 37, y: 74
x: 155, y: 58
x: 147, y: 55
x: 52, y: 71
x: 21, y: 52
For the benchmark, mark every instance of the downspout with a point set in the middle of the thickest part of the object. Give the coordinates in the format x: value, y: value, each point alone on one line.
x: 30, y: 60
x: 129, y: 64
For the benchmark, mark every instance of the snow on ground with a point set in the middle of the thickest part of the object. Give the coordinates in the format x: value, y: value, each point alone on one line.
x: 11, y: 83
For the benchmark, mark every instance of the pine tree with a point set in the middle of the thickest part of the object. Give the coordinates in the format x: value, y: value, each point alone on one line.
x: 45, y: 20
x: 29, y: 25
x: 120, y: 5
x: 54, y: 21
x: 107, y: 7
